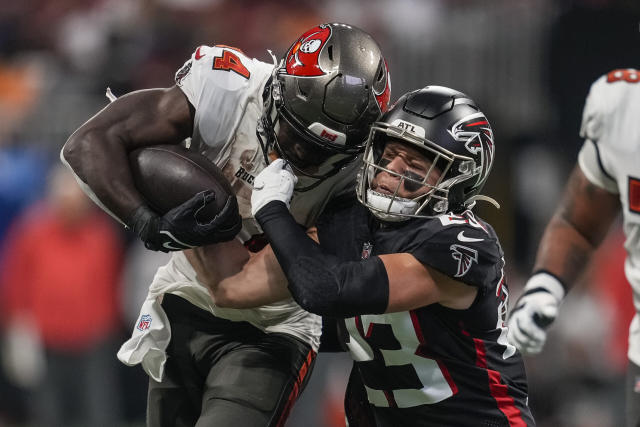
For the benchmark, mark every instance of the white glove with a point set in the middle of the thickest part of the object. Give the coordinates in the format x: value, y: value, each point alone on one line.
x: 275, y: 182
x: 534, y: 311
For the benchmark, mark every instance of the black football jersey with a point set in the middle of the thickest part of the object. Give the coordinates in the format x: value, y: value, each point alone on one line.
x: 433, y: 366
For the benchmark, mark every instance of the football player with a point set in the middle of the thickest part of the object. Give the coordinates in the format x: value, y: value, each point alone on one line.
x: 605, y: 182
x: 209, y: 365
x: 416, y: 276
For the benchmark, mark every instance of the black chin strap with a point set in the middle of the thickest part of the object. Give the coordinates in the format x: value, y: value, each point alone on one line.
x: 264, y: 145
x: 265, y: 126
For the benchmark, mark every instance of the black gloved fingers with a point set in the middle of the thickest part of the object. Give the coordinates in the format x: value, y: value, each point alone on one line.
x: 225, y: 225
x: 192, y: 206
x: 228, y: 212
x: 542, y: 321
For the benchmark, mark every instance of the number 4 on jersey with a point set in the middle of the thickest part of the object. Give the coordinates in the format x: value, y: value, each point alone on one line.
x: 229, y: 61
x: 629, y: 75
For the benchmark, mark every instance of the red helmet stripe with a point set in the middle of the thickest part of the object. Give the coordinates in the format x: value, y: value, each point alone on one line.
x: 483, y: 122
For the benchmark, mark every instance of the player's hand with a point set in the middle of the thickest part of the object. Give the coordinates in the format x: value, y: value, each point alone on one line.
x: 183, y: 228
x: 275, y: 182
x: 534, y: 311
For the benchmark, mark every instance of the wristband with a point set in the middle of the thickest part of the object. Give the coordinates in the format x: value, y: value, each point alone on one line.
x: 543, y: 280
x: 140, y: 219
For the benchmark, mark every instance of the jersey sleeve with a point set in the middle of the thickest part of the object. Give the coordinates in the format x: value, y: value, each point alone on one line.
x: 468, y: 254
x: 595, y: 129
x: 590, y: 162
x: 219, y: 82
x: 594, y: 111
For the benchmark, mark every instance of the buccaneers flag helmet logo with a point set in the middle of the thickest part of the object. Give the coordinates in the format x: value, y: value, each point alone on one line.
x: 302, y: 58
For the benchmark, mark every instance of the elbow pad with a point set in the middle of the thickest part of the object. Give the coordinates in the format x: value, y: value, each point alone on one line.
x: 340, y: 289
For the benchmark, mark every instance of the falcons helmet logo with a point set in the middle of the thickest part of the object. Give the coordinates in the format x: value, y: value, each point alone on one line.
x: 465, y: 257
x: 474, y: 130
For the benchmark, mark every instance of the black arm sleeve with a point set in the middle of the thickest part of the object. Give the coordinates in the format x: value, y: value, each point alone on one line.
x: 318, y: 281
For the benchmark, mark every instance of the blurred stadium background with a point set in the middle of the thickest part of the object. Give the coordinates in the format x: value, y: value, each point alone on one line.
x: 528, y: 62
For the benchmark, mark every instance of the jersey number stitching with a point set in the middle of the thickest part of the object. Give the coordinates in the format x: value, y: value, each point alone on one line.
x: 634, y: 194
x: 629, y: 76
x: 229, y: 61
x: 434, y: 376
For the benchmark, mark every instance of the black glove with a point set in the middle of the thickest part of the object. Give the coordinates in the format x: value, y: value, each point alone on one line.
x: 180, y: 228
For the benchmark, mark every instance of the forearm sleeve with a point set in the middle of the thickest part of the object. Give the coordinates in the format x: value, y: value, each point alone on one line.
x: 321, y: 283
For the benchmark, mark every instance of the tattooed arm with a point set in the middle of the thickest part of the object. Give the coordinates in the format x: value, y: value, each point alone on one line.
x: 576, y: 229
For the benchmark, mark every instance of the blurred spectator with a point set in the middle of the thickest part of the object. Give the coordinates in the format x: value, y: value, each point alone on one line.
x: 19, y: 91
x: 59, y: 284
x: 21, y: 182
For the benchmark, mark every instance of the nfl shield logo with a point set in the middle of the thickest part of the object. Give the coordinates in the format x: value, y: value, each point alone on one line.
x: 366, y: 250
x: 144, y: 323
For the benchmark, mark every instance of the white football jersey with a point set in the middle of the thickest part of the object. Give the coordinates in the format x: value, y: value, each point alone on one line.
x: 610, y: 159
x: 226, y: 88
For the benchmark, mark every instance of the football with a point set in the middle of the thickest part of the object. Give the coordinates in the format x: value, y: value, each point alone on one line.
x: 169, y: 175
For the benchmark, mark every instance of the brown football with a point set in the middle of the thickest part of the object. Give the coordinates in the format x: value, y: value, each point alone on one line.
x: 169, y: 175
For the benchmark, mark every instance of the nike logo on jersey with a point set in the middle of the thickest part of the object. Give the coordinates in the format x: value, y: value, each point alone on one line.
x: 464, y: 238
x: 199, y: 54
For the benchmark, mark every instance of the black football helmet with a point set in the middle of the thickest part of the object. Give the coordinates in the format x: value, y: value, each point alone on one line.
x: 453, y: 133
x: 332, y: 84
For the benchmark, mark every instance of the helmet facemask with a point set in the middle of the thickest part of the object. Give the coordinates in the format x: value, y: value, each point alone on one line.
x: 427, y: 193
x: 312, y: 160
x: 308, y: 154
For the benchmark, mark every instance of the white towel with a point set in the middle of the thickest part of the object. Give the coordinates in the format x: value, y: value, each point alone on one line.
x: 149, y: 340
x: 152, y: 330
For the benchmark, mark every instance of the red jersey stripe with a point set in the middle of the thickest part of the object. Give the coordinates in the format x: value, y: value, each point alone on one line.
x: 498, y: 391
x: 297, y: 386
x: 423, y: 352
